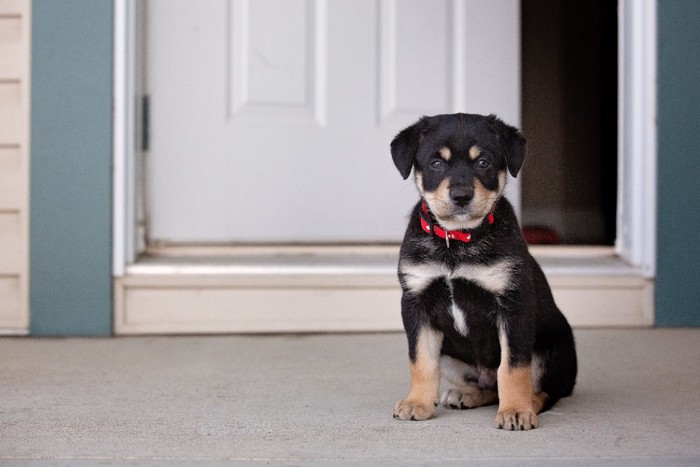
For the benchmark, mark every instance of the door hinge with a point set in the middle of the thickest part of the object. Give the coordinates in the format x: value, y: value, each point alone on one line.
x: 145, y: 122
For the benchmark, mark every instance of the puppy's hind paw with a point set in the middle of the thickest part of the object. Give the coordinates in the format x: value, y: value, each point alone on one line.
x: 454, y: 399
x: 516, y: 420
x: 468, y: 397
x: 412, y: 410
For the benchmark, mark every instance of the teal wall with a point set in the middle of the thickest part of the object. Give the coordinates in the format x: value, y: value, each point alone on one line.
x: 71, y: 137
x: 678, y: 232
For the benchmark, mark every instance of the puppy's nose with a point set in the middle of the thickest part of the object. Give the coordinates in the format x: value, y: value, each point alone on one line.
x: 461, y: 196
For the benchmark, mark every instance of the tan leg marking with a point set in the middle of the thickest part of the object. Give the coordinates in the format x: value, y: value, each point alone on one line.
x: 515, y: 409
x: 515, y: 395
x: 538, y: 401
x: 425, y: 379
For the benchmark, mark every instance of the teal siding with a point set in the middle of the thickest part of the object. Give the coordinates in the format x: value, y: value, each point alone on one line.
x: 678, y: 263
x: 71, y: 137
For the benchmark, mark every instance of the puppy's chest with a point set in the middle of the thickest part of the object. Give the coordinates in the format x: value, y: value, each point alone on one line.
x: 463, y: 297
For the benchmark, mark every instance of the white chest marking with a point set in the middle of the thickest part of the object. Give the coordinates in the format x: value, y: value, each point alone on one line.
x: 496, y: 277
x: 417, y: 277
x: 460, y: 321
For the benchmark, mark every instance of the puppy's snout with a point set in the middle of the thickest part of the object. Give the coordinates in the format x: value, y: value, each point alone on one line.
x: 461, y: 196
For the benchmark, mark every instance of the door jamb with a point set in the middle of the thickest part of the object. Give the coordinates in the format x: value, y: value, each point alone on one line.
x: 637, y: 151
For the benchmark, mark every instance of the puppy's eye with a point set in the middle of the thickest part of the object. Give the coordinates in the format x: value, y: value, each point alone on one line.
x: 438, y: 164
x: 483, y: 163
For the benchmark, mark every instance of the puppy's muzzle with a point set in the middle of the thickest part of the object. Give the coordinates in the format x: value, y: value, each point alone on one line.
x: 461, y: 195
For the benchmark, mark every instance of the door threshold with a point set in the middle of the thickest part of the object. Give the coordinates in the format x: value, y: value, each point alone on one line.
x: 325, y: 259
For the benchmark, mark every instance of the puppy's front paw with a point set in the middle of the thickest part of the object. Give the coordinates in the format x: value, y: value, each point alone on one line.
x: 516, y: 420
x: 412, y: 410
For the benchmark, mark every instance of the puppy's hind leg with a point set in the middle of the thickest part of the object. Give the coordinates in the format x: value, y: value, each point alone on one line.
x: 459, y: 390
x: 539, y: 401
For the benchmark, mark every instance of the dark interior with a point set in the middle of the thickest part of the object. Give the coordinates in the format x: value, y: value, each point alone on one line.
x: 569, y: 84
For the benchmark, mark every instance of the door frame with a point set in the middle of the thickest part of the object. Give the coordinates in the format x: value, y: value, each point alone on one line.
x: 124, y: 146
x: 635, y: 246
x: 637, y: 134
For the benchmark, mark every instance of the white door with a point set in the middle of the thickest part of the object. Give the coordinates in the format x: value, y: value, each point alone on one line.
x: 270, y: 120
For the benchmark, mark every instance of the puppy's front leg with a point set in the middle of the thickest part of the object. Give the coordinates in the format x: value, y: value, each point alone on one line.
x: 424, y: 353
x: 515, y: 390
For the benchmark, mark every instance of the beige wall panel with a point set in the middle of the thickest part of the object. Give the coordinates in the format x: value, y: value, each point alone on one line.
x: 11, y: 49
x: 12, y: 7
x: 11, y: 306
x: 12, y: 194
x: 15, y: 25
x: 11, y: 252
x: 11, y: 111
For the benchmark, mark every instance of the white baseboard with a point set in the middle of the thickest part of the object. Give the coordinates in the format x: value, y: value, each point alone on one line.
x: 256, y: 304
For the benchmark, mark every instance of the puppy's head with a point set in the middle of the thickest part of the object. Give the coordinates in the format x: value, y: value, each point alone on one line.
x: 460, y: 163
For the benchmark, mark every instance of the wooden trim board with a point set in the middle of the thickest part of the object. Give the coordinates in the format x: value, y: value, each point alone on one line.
x: 186, y: 299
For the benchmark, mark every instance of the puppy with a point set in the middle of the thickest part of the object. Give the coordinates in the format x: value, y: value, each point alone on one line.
x: 476, y: 307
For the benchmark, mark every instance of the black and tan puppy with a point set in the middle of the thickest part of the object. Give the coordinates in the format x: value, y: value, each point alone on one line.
x: 476, y: 307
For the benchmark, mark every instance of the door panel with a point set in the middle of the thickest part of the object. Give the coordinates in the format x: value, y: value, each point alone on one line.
x: 416, y: 69
x: 277, y: 60
x: 271, y: 119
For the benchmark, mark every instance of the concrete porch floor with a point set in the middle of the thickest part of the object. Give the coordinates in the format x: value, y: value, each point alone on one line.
x: 327, y: 399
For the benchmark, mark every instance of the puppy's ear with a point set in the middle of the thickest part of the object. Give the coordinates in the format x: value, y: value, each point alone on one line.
x: 512, y: 142
x: 405, y: 146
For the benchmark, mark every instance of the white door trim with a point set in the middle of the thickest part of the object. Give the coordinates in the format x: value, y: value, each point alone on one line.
x: 123, y: 141
x: 637, y: 158
x: 128, y: 218
x: 122, y: 131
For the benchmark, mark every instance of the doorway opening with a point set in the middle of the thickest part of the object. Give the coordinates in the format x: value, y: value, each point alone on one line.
x: 569, y: 116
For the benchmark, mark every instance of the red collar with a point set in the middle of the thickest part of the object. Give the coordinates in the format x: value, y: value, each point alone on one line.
x: 431, y: 227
